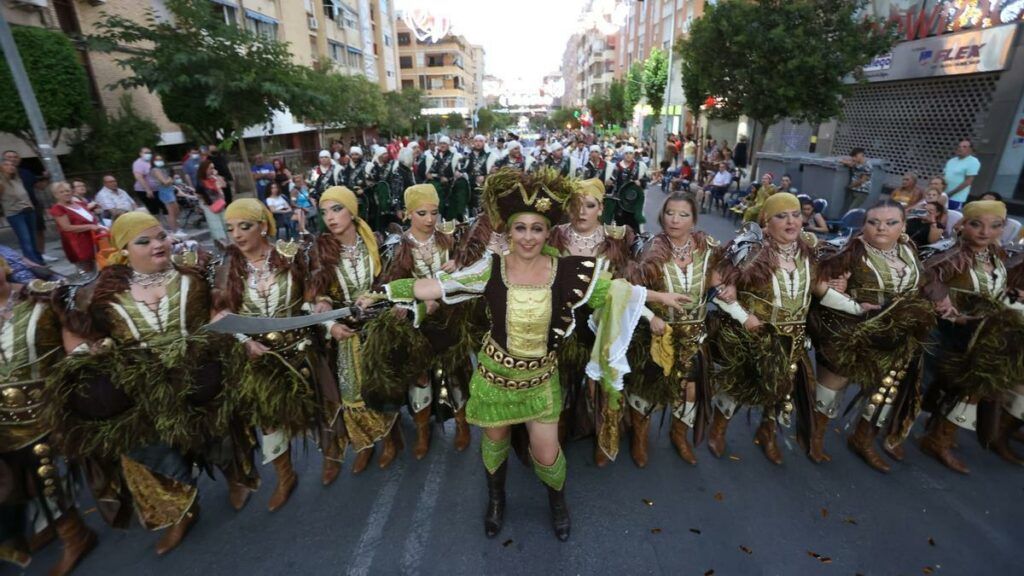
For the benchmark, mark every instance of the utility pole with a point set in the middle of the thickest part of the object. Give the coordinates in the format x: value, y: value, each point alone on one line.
x: 28, y: 100
x: 668, y: 84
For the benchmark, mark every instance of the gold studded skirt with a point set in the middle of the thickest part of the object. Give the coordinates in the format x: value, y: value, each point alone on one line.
x: 506, y: 389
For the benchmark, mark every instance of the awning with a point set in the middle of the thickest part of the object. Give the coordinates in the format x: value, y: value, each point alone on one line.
x: 259, y: 17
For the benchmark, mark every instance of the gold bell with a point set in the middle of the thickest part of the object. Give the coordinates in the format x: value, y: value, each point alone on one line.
x: 41, y: 450
x: 877, y: 399
x: 882, y: 389
x: 792, y: 368
x: 439, y: 373
x: 48, y: 482
x: 444, y: 392
x: 787, y: 407
x: 901, y: 374
x: 46, y: 471
x: 892, y: 373
x: 304, y: 371
x: 14, y: 397
x: 274, y: 337
x: 888, y: 380
x: 888, y: 399
x: 50, y: 490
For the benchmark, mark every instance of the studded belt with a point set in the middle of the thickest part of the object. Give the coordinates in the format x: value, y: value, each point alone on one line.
x: 535, y: 371
x: 20, y: 402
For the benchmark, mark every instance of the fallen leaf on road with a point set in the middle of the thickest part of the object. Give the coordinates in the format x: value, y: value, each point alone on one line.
x: 507, y: 543
x: 928, y: 570
x: 734, y: 457
x: 709, y: 573
x: 695, y: 531
x: 825, y: 560
x: 931, y: 541
x: 719, y: 496
x: 745, y: 549
x: 824, y: 512
x: 647, y: 502
x: 849, y: 520
x: 655, y: 530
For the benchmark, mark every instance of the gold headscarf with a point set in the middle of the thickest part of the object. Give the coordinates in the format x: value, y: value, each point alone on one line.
x: 420, y: 195
x: 126, y: 228
x: 777, y: 203
x: 252, y: 210
x: 593, y: 188
x: 984, y: 208
x: 347, y: 198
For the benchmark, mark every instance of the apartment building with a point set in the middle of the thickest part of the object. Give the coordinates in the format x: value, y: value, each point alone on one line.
x: 450, y: 71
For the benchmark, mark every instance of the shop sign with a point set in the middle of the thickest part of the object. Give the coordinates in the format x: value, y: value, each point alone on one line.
x: 968, y: 52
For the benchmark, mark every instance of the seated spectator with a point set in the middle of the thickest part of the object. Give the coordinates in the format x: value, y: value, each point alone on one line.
x: 908, y: 194
x: 719, y: 185
x: 77, y: 226
x: 813, y: 221
x: 282, y: 175
x: 282, y: 209
x: 114, y: 201
x: 933, y: 194
x: 927, y: 225
x: 304, y: 204
x: 23, y: 271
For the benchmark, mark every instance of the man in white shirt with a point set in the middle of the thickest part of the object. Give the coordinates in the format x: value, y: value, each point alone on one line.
x: 580, y: 154
x: 114, y: 200
x: 960, y: 171
x: 719, y: 184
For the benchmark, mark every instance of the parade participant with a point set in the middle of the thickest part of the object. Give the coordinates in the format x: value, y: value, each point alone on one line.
x: 979, y: 352
x: 325, y: 174
x: 401, y: 178
x: 584, y: 235
x: 1012, y: 414
x: 436, y: 338
x: 424, y: 159
x: 627, y: 183
x: 759, y: 350
x: 673, y: 369
x: 558, y: 161
x: 532, y: 295
x: 354, y: 178
x: 882, y: 352
x: 752, y: 212
x: 30, y: 345
x: 442, y: 175
x: 377, y: 169
x: 378, y: 190
x: 474, y: 167
x: 596, y: 167
x: 514, y: 158
x: 346, y: 264
x: 260, y: 279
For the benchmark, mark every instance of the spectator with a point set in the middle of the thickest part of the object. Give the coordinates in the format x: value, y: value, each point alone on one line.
x: 112, y: 200
x: 579, y: 154
x: 77, y: 226
x: 739, y: 154
x: 17, y: 208
x: 282, y: 175
x: 145, y: 185
x: 167, y: 194
x: 860, y: 178
x: 220, y: 162
x: 30, y: 180
x: 926, y: 225
x: 190, y: 166
x: 684, y: 177
x: 282, y: 209
x: 211, y: 193
x: 263, y: 173
x: 718, y: 187
x: 992, y: 196
x: 22, y: 271
x: 305, y: 205
x: 960, y: 172
x: 908, y: 194
x: 80, y: 192
x: 813, y: 221
x: 690, y: 152
x: 786, y: 184
x: 934, y: 194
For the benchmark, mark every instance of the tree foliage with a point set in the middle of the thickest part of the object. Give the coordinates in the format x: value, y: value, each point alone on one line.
x: 210, y: 76
x: 112, y: 142
x: 402, y: 111
x: 655, y: 81
x: 455, y: 121
x: 634, y: 86
x: 57, y: 78
x: 773, y: 59
x: 600, y: 109
x: 617, y: 102
x: 342, y: 101
x: 562, y: 117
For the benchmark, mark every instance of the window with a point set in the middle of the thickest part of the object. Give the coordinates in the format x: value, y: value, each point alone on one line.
x: 436, y: 83
x: 336, y: 51
x: 350, y: 19
x: 408, y: 84
x: 260, y: 24
x: 458, y: 83
x: 435, y: 60
x: 228, y: 13
x: 423, y: 82
x: 332, y: 9
x: 421, y: 60
x: 403, y: 38
x: 405, y: 62
x: 355, y: 58
x: 387, y: 40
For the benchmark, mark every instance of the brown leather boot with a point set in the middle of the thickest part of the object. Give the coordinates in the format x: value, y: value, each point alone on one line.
x: 176, y: 533
x: 286, y: 481
x: 422, y: 420
x: 895, y: 451
x: 362, y: 460
x: 816, y: 452
x: 78, y: 541
x: 462, y: 436
x: 600, y: 458
x: 238, y: 495
x: 765, y: 438
x: 862, y: 442
x: 679, y: 434
x: 392, y: 444
x: 938, y: 443
x: 716, y: 433
x: 332, y: 463
x: 638, y: 441
x: 1007, y: 426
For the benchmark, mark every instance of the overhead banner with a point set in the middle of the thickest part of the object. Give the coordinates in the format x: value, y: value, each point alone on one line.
x: 969, y: 52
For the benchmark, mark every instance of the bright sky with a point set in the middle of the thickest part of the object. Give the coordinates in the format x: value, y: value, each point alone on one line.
x: 523, y: 39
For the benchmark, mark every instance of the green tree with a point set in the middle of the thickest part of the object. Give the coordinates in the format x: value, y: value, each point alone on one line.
x: 600, y: 109
x: 634, y: 86
x: 213, y: 77
x: 562, y: 117
x: 775, y: 59
x: 655, y: 81
x: 342, y: 102
x: 112, y: 142
x: 402, y: 112
x: 485, y: 120
x: 58, y: 79
x: 617, y: 102
x: 455, y: 121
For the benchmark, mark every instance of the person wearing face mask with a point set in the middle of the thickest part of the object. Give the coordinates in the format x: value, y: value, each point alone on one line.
x: 759, y: 348
x: 145, y: 184
x: 873, y: 333
x: 167, y: 194
x: 978, y: 360
x: 134, y: 338
x: 190, y: 166
x: 532, y: 295
x: 430, y: 351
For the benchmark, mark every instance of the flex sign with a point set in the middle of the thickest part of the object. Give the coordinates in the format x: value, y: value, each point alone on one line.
x: 969, y: 52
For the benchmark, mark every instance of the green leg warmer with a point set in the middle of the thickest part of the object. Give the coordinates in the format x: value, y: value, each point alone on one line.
x: 553, y: 475
x: 494, y: 453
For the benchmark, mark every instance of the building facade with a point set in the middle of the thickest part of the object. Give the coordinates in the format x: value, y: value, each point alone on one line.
x: 449, y: 71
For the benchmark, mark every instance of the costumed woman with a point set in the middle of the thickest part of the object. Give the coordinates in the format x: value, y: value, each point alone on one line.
x: 30, y: 345
x: 346, y: 264
x: 759, y: 344
x: 532, y: 296
x: 277, y: 372
x: 672, y: 369
x: 978, y: 360
x: 403, y: 354
x: 584, y: 235
x: 883, y: 352
x: 1011, y: 417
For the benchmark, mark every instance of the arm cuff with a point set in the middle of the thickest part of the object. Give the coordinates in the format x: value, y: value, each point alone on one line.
x: 735, y: 310
x: 647, y: 313
x: 243, y: 338
x: 401, y: 290
x: 838, y: 301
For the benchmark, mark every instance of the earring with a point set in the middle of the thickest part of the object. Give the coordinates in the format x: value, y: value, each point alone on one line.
x: 124, y: 253
x: 904, y: 238
x: 263, y: 233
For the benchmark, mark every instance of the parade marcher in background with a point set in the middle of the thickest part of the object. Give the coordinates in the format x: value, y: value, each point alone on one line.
x: 30, y: 346
x: 276, y: 371
x: 442, y: 175
x: 354, y: 178
x: 595, y: 167
x: 752, y: 211
x: 532, y: 295
x: 980, y: 344
x: 514, y: 158
x: 407, y: 350
x: 673, y: 369
x: 401, y: 178
x: 474, y: 167
x: 627, y: 183
x: 559, y: 161
x: 584, y: 235
x: 883, y: 352
x: 378, y: 190
x: 1011, y: 417
x: 347, y: 264
x: 324, y: 175
x: 424, y: 159
x: 759, y: 349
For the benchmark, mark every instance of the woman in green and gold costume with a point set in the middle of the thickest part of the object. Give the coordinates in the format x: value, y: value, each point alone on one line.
x: 883, y: 352
x: 672, y: 368
x: 533, y: 295
x: 278, y: 372
x: 346, y: 264
x: 30, y: 346
x: 981, y: 340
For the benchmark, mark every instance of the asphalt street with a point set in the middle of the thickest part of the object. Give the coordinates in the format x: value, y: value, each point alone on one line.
x: 737, y: 515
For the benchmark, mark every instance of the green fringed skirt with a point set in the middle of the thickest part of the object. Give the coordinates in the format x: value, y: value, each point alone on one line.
x: 276, y: 390
x: 491, y: 405
x: 756, y: 368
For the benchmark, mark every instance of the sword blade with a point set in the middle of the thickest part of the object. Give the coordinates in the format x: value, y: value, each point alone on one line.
x: 235, y: 324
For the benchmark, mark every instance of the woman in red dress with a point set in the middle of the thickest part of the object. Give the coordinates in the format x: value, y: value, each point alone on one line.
x: 76, y: 224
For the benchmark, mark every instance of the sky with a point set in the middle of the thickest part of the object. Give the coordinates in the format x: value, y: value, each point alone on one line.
x: 522, y: 40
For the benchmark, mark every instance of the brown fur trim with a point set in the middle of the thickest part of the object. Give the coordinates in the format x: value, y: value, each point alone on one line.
x: 401, y: 264
x: 618, y: 252
x: 229, y: 295
x: 473, y: 245
x: 759, y: 268
x: 646, y: 271
x: 838, y: 264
